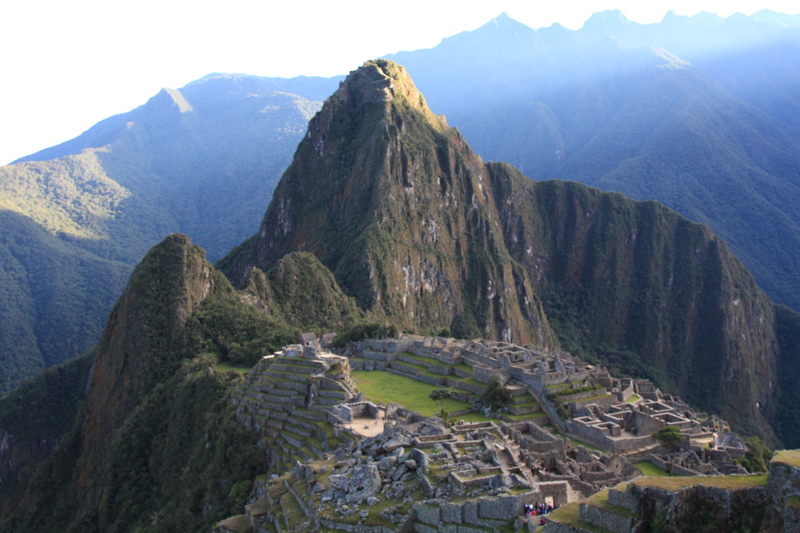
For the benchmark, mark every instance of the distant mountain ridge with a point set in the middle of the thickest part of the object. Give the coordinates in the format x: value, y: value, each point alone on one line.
x: 203, y: 159
x: 615, y: 104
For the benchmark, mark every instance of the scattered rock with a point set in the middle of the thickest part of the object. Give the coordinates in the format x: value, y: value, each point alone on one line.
x: 386, y: 463
x: 396, y: 442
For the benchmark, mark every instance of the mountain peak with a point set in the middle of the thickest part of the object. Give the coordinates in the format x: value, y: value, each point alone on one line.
x: 381, y: 80
x: 606, y: 20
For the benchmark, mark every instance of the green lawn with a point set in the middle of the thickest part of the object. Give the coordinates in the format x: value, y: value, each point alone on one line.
x: 650, y: 469
x: 381, y: 386
x: 519, y: 418
x: 724, y: 482
x: 436, y: 362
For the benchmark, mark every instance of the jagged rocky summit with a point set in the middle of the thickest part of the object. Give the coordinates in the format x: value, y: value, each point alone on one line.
x: 426, y: 235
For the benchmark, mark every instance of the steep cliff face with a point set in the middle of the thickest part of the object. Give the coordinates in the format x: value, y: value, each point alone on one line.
x: 139, y: 346
x: 424, y: 234
x: 399, y: 208
x: 636, y: 276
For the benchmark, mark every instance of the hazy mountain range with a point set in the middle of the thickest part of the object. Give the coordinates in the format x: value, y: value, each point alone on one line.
x: 698, y: 113
x: 79, y: 216
x: 398, y: 211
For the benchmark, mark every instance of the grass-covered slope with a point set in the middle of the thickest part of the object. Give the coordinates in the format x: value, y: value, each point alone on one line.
x: 202, y: 160
x: 148, y: 438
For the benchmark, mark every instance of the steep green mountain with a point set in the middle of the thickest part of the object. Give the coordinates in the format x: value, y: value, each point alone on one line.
x: 616, y: 105
x: 424, y: 234
x: 111, y: 435
x: 79, y: 216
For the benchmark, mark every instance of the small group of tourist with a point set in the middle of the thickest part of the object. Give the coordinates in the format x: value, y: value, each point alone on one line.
x: 538, y: 509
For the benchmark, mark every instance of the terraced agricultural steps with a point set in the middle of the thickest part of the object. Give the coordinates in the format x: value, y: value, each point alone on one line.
x: 286, y: 399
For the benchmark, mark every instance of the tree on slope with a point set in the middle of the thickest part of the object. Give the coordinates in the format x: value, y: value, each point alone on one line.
x: 440, y: 396
x: 670, y: 438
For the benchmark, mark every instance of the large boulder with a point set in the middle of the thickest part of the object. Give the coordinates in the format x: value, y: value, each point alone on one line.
x: 366, y: 482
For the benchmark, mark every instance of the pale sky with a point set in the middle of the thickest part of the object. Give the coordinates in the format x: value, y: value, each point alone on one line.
x: 68, y: 64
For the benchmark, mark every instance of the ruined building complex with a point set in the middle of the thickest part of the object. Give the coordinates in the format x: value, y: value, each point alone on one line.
x: 342, y: 462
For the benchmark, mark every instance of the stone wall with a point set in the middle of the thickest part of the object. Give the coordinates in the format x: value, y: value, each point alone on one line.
x: 677, y: 469
x: 558, y: 490
x: 484, y: 373
x: 595, y: 436
x: 605, y: 402
x: 606, y: 520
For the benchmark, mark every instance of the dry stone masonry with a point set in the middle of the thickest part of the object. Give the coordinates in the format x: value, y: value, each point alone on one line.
x: 419, y: 475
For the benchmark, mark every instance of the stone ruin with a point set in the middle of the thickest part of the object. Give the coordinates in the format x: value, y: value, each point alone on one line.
x: 476, y: 474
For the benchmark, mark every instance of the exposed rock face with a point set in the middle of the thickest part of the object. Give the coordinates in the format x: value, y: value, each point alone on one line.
x: 426, y: 235
x: 399, y: 208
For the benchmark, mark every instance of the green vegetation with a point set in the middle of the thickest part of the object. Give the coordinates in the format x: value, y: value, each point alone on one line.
x: 789, y: 457
x: 670, y: 438
x: 633, y: 398
x: 757, y: 457
x: 77, y: 217
x: 166, y: 451
x: 649, y: 469
x: 414, y: 395
x: 440, y: 396
x: 427, y: 361
x: 786, y: 420
x: 723, y: 482
x: 497, y: 395
x: 368, y: 330
x: 600, y: 500
x: 570, y: 391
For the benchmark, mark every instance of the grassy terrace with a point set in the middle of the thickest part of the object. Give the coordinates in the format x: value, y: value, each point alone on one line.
x: 633, y: 398
x: 723, y: 482
x: 650, y: 469
x: 381, y: 386
x: 590, y: 399
x: 569, y: 515
x: 519, y: 418
x: 789, y: 457
x: 430, y: 361
x: 600, y: 500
